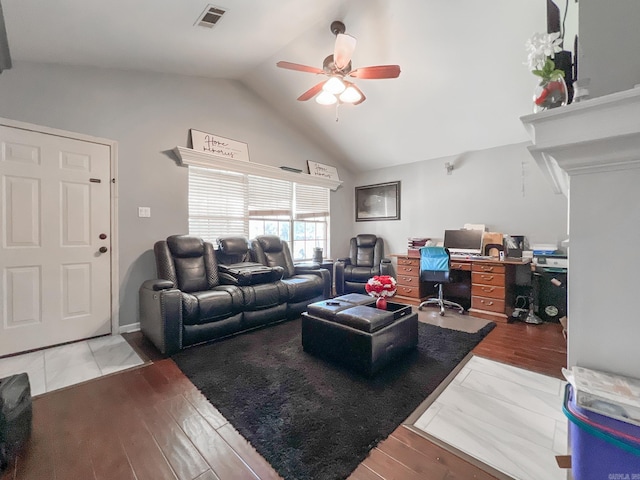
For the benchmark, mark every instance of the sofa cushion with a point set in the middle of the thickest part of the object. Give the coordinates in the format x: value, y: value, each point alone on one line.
x: 327, y: 309
x: 358, y: 274
x: 258, y: 297
x: 303, y: 287
x: 211, y: 305
x: 233, y: 250
x: 367, y: 319
x: 356, y: 299
x: 190, y: 309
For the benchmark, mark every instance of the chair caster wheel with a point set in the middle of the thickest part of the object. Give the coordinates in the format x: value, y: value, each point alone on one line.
x: 442, y: 313
x: 420, y: 308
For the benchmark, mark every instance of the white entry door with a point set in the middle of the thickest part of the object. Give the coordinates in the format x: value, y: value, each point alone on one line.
x: 55, y: 273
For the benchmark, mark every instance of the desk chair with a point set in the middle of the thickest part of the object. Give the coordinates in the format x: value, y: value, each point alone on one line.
x: 435, y: 266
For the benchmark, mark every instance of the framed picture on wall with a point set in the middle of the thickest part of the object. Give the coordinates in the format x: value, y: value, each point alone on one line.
x: 378, y: 202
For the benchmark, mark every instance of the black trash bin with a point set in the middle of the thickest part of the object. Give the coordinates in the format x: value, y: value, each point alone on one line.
x: 550, y: 293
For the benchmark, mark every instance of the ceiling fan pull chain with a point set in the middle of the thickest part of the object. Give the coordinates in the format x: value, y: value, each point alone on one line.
x: 337, y: 105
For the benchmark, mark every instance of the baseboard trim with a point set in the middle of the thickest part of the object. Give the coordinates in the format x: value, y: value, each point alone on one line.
x: 132, y: 327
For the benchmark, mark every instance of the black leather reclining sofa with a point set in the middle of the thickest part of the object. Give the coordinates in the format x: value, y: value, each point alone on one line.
x: 202, y: 294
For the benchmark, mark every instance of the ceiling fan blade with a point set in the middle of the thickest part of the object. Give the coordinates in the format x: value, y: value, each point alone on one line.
x: 298, y: 67
x: 379, y: 71
x: 312, y: 92
x: 345, y: 45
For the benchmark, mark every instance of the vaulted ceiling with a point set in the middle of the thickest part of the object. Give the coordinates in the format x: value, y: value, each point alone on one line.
x: 463, y: 84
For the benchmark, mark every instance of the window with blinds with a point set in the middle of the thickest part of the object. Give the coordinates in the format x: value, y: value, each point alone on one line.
x: 223, y: 203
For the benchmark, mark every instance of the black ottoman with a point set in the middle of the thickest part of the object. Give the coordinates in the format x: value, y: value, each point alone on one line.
x: 362, y: 338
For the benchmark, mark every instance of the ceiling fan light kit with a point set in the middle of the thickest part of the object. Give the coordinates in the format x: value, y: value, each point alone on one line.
x: 350, y: 95
x: 334, y: 85
x: 326, y: 98
x: 337, y: 89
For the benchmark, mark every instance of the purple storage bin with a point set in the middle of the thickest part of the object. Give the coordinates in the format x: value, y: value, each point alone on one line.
x: 602, y: 448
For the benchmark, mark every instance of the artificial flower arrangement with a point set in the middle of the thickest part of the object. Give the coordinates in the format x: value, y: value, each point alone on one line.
x: 381, y: 286
x: 552, y: 90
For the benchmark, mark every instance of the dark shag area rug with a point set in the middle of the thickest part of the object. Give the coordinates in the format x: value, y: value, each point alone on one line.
x: 308, y: 418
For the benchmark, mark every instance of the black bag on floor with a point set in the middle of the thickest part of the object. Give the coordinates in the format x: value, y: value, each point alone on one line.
x: 15, y: 416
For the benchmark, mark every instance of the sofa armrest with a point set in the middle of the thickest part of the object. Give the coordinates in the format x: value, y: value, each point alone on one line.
x: 322, y: 273
x: 161, y: 315
x: 158, y: 284
x: 338, y: 274
x: 386, y: 267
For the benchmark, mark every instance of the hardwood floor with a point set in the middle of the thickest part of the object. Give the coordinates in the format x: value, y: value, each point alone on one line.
x: 152, y: 423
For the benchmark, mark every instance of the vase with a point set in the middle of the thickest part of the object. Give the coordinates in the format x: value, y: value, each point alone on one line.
x: 381, y: 303
x: 550, y: 93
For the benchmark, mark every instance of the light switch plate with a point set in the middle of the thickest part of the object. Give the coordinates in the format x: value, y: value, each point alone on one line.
x: 144, y: 212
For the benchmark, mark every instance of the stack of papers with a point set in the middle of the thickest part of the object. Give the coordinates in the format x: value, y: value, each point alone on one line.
x: 608, y: 394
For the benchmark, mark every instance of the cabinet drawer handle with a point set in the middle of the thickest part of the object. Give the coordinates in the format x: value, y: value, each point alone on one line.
x: 409, y: 269
x: 488, y: 289
x: 487, y: 303
x: 409, y: 289
x: 487, y: 269
x: 487, y: 277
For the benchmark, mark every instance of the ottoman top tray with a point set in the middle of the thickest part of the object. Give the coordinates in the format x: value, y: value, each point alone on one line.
x: 365, y: 318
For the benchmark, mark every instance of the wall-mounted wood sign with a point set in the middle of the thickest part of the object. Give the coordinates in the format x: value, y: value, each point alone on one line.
x: 220, y: 146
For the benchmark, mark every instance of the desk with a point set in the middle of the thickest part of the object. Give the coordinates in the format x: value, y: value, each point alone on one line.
x: 487, y: 286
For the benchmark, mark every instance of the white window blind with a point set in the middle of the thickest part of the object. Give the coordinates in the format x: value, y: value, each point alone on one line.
x: 217, y: 203
x: 269, y: 197
x: 311, y: 202
x: 223, y: 203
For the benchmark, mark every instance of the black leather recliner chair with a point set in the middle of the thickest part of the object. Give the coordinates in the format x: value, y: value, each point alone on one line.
x: 366, y: 259
x: 305, y: 284
x: 189, y: 304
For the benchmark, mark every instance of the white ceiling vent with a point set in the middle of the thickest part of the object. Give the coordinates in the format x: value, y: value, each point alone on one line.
x: 210, y: 17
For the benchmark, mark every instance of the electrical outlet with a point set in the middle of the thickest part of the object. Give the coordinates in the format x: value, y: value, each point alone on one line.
x: 144, y: 212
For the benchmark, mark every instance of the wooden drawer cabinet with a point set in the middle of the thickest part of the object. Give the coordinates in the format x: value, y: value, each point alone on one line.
x: 489, y: 304
x: 409, y: 287
x: 409, y: 270
x: 461, y: 266
x: 408, y: 281
x: 408, y: 261
x: 487, y: 279
x: 491, y: 290
x: 488, y: 268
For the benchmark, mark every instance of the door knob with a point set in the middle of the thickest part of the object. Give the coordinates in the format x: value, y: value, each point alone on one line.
x: 103, y: 249
x: 102, y: 236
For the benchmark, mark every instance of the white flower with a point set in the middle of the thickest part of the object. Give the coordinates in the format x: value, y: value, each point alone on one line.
x: 540, y: 46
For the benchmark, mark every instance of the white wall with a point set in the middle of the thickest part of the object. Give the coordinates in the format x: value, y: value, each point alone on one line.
x: 609, y: 38
x: 148, y: 115
x: 500, y: 187
x: 603, y: 326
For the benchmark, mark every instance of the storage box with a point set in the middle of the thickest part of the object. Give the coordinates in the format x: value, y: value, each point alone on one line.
x: 602, y: 448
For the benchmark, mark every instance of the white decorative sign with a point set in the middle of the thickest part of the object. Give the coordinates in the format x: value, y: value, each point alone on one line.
x: 220, y: 146
x: 320, y: 170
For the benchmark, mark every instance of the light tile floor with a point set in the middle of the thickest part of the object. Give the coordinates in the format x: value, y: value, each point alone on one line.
x: 506, y: 417
x: 59, y: 367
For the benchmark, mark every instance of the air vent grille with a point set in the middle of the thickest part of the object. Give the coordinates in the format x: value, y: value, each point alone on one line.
x: 210, y: 17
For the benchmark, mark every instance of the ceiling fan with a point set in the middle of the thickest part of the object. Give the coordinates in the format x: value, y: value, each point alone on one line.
x: 338, y: 88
